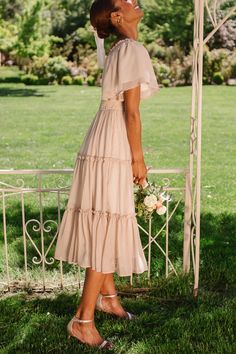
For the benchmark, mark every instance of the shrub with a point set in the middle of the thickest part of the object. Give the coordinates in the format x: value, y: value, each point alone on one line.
x: 162, y: 71
x: 29, y: 79
x: 90, y: 80
x: 10, y: 80
x: 57, y: 68
x: 218, y: 78
x: 90, y: 64
x: 214, y: 62
x: 66, y: 80
x: 217, y: 57
x: 205, y: 80
x: 50, y: 69
x: 155, y: 50
x: 226, y: 69
x: 43, y: 81
x: 173, y: 52
x: 186, y: 73
x: 39, y: 66
x: 166, y: 82
x: 78, y: 80
x: 233, y: 65
x: 53, y: 83
x: 207, y: 70
x: 180, y: 73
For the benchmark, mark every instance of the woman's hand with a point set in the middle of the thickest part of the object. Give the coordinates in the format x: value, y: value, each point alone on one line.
x: 139, y: 171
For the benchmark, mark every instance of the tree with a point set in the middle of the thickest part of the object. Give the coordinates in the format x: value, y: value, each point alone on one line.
x: 68, y: 19
x: 33, y: 36
x: 171, y: 19
x: 225, y: 37
x: 8, y: 37
x: 9, y: 9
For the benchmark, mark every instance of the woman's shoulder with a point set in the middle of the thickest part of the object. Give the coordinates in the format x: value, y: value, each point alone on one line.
x: 125, y: 44
x: 128, y: 64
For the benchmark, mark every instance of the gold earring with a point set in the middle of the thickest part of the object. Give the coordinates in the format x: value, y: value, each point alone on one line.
x: 118, y: 21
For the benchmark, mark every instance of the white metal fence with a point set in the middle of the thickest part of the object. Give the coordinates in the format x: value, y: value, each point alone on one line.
x: 32, y: 207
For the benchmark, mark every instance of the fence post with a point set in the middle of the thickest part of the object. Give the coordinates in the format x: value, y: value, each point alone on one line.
x: 187, y: 223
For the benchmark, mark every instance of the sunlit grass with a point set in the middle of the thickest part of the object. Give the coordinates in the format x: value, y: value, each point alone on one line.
x: 43, y: 127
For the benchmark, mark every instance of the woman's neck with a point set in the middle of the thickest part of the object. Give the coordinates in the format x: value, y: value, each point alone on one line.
x: 131, y: 32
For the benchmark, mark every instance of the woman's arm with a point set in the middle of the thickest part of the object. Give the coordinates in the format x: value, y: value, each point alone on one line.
x: 134, y: 133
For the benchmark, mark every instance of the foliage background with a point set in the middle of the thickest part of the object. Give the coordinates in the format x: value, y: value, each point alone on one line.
x: 35, y: 31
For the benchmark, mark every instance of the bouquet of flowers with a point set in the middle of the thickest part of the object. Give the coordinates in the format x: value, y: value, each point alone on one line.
x: 149, y: 198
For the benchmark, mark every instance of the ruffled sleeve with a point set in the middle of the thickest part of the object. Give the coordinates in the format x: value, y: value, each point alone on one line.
x: 127, y: 66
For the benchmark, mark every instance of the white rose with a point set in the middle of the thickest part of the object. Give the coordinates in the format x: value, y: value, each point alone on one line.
x: 150, y: 201
x: 161, y: 210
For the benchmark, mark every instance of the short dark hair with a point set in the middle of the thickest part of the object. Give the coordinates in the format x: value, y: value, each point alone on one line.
x: 100, y: 13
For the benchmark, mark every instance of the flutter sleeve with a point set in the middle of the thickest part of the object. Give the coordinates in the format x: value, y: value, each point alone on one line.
x: 128, y: 66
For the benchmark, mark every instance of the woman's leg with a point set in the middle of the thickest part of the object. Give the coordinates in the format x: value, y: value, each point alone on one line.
x: 112, y: 304
x: 87, y: 332
x: 108, y: 285
x: 91, y: 289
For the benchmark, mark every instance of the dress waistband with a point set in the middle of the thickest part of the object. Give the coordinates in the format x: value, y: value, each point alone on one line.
x: 112, y: 103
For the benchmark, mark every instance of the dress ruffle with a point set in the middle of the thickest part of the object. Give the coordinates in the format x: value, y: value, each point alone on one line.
x: 102, y: 183
x: 105, y: 242
x: 102, y: 158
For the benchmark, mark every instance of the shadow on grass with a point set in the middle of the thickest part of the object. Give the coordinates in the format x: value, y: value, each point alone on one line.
x: 24, y: 92
x: 171, y: 324
x: 218, y: 243
x: 169, y: 319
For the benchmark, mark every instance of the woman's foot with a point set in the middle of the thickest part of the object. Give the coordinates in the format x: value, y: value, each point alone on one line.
x: 112, y: 305
x: 87, y: 333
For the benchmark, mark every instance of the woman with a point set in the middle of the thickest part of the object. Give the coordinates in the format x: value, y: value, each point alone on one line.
x: 99, y: 229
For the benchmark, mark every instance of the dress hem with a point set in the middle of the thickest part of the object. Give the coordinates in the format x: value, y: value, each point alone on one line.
x: 112, y: 271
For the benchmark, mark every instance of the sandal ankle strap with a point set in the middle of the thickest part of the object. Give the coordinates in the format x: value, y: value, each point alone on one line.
x: 111, y: 295
x: 82, y: 321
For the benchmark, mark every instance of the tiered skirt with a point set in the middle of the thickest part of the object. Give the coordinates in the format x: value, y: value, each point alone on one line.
x: 99, y: 227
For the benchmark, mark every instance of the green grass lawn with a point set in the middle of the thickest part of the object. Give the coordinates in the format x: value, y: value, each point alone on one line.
x: 43, y: 127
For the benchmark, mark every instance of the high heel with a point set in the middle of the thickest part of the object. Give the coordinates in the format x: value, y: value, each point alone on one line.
x: 104, y: 345
x: 100, y: 307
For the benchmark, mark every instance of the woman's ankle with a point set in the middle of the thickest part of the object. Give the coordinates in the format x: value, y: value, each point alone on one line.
x: 85, y: 314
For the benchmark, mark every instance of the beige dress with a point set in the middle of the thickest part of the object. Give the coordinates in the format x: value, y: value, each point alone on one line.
x: 99, y: 227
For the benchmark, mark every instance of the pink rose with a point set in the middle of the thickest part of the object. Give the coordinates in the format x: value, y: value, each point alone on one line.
x: 158, y: 204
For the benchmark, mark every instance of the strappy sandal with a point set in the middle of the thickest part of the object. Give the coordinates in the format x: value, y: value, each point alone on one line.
x: 104, y: 345
x: 100, y: 307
